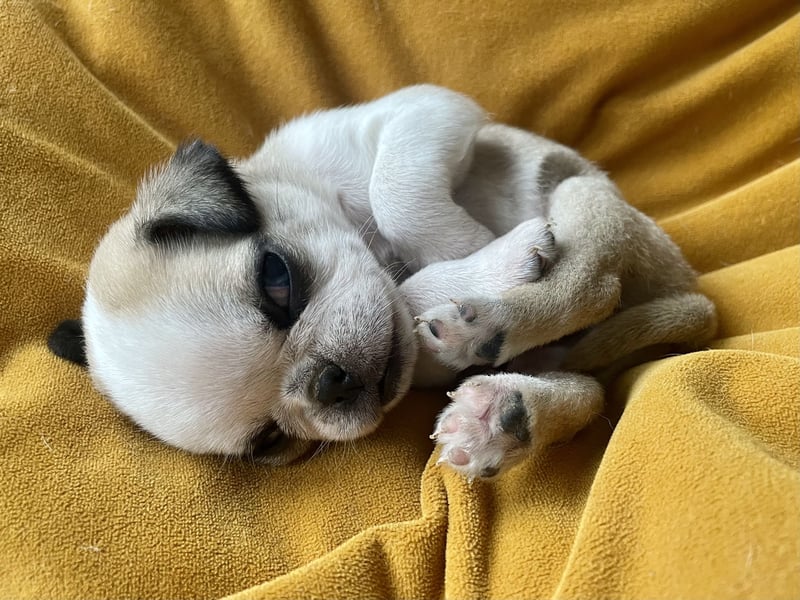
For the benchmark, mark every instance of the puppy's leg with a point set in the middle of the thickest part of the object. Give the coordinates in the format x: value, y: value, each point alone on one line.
x: 496, y: 420
x: 682, y: 319
x: 520, y: 256
x: 592, y: 226
x: 424, y: 151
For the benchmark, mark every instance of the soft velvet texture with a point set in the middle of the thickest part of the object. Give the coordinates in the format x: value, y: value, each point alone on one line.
x: 687, y: 486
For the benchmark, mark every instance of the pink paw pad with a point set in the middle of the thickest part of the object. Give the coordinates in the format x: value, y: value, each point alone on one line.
x: 482, y: 429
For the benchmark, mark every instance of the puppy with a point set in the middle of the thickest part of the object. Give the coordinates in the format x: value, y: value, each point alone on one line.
x: 254, y: 307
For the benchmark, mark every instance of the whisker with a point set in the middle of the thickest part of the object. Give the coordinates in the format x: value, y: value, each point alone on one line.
x: 320, y: 449
x: 363, y: 228
x: 388, y: 304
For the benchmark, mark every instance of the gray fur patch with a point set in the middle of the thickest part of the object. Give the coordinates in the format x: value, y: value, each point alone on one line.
x: 555, y: 168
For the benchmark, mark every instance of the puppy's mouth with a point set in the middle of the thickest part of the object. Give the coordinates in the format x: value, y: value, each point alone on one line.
x: 396, y: 377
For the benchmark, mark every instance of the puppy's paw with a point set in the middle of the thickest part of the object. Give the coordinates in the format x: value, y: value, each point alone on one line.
x: 522, y: 255
x: 461, y: 334
x: 485, y: 429
x: 470, y: 333
x: 496, y: 420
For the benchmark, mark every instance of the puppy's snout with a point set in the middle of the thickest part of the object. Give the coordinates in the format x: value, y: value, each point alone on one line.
x: 337, y: 387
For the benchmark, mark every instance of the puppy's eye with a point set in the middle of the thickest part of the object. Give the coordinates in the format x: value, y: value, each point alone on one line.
x: 275, y: 280
x: 270, y: 440
x: 281, y: 288
x: 275, y: 284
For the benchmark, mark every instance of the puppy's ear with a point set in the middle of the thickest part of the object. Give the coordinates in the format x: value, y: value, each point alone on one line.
x: 67, y: 341
x: 197, y: 192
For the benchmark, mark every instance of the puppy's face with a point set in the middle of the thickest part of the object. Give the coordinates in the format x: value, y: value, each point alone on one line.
x: 239, y: 313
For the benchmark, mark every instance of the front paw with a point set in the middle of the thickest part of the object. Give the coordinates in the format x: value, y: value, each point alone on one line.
x: 485, y: 429
x: 461, y: 334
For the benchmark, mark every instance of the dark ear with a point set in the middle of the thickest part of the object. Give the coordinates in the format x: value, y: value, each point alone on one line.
x: 67, y: 341
x: 197, y: 192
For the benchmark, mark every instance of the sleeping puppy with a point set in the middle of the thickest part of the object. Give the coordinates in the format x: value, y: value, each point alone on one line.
x: 254, y: 307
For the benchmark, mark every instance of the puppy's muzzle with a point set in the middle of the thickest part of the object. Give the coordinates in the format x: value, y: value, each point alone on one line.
x: 338, y: 388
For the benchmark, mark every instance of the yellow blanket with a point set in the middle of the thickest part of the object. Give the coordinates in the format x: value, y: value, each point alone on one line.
x: 687, y: 487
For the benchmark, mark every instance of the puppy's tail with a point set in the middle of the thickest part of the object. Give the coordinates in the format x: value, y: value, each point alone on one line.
x: 677, y: 323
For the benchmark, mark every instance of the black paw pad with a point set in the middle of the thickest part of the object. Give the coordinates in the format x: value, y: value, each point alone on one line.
x: 514, y: 420
x: 467, y: 312
x: 490, y: 350
x: 489, y: 472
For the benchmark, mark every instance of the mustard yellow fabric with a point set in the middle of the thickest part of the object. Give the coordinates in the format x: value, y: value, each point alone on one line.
x: 687, y: 486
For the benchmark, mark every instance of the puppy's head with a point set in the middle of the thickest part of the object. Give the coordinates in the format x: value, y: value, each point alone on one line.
x: 234, y: 310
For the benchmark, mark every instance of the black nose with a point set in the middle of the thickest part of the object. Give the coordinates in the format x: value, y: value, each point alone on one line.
x: 337, y: 387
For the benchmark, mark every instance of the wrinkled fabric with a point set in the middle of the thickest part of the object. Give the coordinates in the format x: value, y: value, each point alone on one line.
x: 687, y: 486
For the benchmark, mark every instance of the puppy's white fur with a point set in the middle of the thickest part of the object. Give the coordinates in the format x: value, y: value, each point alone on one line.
x: 418, y: 179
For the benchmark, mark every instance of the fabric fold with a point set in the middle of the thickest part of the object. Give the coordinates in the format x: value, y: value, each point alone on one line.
x: 686, y: 486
